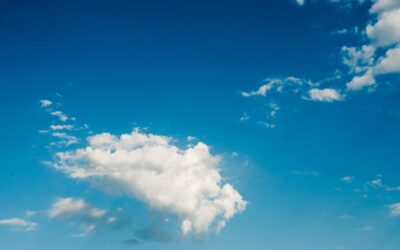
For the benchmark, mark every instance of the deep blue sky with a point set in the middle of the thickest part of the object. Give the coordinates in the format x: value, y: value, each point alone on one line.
x: 178, y: 68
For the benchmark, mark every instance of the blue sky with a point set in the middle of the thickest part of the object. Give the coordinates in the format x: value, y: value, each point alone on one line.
x: 200, y: 125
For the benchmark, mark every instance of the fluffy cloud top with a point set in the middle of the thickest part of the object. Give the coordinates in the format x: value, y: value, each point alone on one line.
x: 325, y: 95
x: 19, y: 224
x: 386, y: 31
x: 185, y: 182
x: 390, y: 63
x: 362, y: 81
x: 384, y: 5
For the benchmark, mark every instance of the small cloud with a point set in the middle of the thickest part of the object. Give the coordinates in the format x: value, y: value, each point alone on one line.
x: 191, y: 138
x: 345, y: 217
x: 361, y: 81
x: 300, y: 2
x: 67, y: 139
x: 393, y: 188
x: 364, y: 228
x: 30, y: 213
x: 261, y: 91
x: 266, y: 124
x: 87, y: 216
x: 305, y: 173
x: 45, y: 103
x: 324, y: 95
x: 244, y: 117
x: 18, y: 224
x: 62, y: 127
x: 347, y: 179
x: 394, y: 210
x: 60, y: 115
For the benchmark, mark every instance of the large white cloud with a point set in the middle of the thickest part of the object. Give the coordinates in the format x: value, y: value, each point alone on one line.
x: 183, y: 181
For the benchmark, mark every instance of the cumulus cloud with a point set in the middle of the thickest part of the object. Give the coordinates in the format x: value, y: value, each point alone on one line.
x: 386, y: 31
x: 394, y: 210
x: 362, y: 81
x: 78, y: 210
x: 383, y: 33
x: 358, y: 59
x: 182, y: 181
x: 390, y: 63
x: 384, y: 5
x: 18, y: 224
x: 325, y: 95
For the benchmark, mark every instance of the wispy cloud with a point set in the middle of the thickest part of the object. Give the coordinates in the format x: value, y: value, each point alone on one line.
x: 394, y: 209
x: 347, y: 179
x: 88, y: 217
x: 18, y: 224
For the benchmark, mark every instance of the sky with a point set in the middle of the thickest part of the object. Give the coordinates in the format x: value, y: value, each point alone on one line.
x: 268, y: 125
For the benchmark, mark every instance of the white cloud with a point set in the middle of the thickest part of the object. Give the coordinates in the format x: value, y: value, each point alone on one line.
x: 78, y: 210
x: 70, y: 207
x: 360, y: 82
x: 66, y: 139
x: 348, y: 179
x: 244, y: 117
x: 325, y: 95
x: 278, y: 84
x: 185, y: 182
x: 62, y: 127
x: 274, y: 108
x: 19, y: 224
x: 390, y: 63
x: 394, y: 209
x: 300, y: 2
x: 377, y: 183
x: 386, y: 31
x: 191, y: 138
x: 261, y: 91
x: 266, y: 124
x: 45, y: 103
x: 358, y: 59
x: 60, y: 115
x: 384, y: 5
